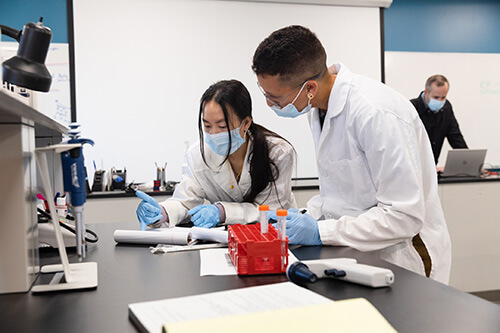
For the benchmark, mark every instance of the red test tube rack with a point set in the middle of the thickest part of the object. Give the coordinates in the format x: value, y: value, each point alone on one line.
x: 255, y: 253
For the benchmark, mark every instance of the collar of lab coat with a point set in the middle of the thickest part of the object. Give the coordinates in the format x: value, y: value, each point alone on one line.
x: 336, y: 102
x: 223, y: 175
x: 339, y: 92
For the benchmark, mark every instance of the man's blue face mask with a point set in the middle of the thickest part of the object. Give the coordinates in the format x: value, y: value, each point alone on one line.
x: 436, y: 105
x: 289, y: 110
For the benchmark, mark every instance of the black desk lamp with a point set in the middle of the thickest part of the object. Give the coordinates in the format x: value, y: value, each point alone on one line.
x: 27, y: 69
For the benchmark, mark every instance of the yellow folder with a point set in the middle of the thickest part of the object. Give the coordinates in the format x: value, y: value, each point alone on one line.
x: 353, y: 315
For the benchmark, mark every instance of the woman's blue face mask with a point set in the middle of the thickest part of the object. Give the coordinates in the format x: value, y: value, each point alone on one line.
x: 219, y: 142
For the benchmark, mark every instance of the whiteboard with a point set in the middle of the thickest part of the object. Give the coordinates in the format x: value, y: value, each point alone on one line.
x: 142, y: 66
x: 56, y: 103
x: 474, y: 91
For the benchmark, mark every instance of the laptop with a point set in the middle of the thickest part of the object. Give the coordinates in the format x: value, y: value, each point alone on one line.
x: 464, y: 163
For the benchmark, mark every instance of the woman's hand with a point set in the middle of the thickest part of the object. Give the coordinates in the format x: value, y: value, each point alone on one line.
x: 149, y: 211
x: 205, y: 216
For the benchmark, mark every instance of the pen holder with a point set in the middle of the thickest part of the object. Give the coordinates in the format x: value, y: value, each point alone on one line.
x: 118, y: 179
x: 99, y: 181
x: 161, y: 179
x: 255, y: 253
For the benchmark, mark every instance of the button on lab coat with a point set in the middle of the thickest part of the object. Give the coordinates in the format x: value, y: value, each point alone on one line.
x: 208, y: 185
x: 378, y: 184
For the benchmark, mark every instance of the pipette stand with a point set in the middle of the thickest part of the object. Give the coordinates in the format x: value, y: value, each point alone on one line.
x: 81, y: 275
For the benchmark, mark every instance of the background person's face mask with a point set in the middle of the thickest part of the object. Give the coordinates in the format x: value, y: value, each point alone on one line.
x: 435, y: 105
x: 290, y: 111
x: 220, y: 142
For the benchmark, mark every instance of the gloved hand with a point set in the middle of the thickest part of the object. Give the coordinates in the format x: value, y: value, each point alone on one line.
x: 205, y: 216
x: 149, y: 211
x: 301, y: 229
x: 272, y: 214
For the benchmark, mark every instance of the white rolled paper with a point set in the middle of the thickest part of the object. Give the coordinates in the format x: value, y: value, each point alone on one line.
x: 213, y: 235
x: 175, y: 236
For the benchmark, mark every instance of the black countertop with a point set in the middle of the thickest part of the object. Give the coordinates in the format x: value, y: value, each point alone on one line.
x: 130, y: 273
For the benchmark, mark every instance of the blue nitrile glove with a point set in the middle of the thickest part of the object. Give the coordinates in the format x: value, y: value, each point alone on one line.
x: 272, y: 214
x: 301, y: 229
x: 149, y: 211
x: 205, y: 216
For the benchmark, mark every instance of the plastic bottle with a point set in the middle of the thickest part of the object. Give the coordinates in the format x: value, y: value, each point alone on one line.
x: 282, y: 213
x: 184, y: 167
x: 264, y: 211
x: 61, y: 208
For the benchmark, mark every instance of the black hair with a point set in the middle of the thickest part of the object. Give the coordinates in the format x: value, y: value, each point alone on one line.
x: 233, y: 94
x: 294, y: 52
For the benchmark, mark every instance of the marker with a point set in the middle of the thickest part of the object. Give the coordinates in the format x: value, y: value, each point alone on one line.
x: 46, y: 204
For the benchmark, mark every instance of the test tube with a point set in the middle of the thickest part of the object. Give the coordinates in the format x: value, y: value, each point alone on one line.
x: 264, y: 227
x: 282, y: 213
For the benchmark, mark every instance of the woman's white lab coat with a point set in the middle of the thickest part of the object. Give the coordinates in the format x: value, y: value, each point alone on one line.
x: 378, y: 183
x: 208, y: 185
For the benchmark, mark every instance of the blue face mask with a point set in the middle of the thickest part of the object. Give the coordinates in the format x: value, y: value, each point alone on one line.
x: 435, y: 105
x: 290, y: 111
x: 220, y: 142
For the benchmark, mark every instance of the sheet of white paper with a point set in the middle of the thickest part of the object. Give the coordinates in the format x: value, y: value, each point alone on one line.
x: 218, y: 262
x: 177, y: 236
x: 152, y: 315
x: 167, y: 248
x: 214, y: 235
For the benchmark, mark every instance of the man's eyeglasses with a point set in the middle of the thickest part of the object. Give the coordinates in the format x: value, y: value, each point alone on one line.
x: 278, y: 104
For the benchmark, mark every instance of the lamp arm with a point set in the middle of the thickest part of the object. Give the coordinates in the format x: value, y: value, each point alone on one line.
x: 11, y: 32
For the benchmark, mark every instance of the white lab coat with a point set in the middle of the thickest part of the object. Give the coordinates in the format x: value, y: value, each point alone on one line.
x: 208, y: 185
x: 378, y: 183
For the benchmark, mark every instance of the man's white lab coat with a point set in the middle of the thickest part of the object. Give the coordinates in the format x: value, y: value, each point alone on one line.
x: 205, y: 185
x: 378, y: 183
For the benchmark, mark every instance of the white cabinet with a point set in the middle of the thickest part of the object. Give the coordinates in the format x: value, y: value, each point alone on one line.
x: 472, y: 212
x: 19, y: 261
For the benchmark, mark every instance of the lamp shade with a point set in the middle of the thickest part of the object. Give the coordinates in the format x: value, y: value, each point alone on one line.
x: 27, y: 69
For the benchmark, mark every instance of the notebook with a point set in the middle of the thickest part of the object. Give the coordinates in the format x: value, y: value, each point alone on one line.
x: 464, y: 163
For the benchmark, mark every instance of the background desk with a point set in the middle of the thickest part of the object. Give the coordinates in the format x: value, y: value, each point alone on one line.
x: 129, y: 274
x: 472, y: 211
x: 470, y: 207
x: 97, y: 209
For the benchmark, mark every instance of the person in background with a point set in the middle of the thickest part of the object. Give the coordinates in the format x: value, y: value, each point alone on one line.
x: 437, y: 115
x: 377, y: 178
x: 236, y: 166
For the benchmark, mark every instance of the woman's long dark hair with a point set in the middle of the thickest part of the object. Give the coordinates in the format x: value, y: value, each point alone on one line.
x: 234, y: 94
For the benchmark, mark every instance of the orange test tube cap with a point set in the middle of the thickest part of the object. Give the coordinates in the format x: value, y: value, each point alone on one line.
x: 264, y: 207
x: 282, y: 212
